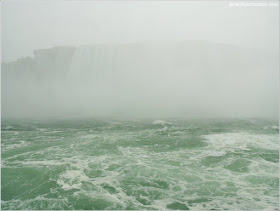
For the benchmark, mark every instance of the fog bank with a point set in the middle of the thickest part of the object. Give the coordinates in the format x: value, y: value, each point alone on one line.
x: 142, y: 79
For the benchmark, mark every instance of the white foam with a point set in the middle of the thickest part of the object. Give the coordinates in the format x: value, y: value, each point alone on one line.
x: 233, y: 141
x: 160, y: 122
x: 274, y: 127
x: 42, y: 129
x: 41, y: 163
x: 164, y: 129
x: 215, y: 153
x: 8, y: 127
x: 71, y: 179
x: 9, y: 146
x: 55, y: 131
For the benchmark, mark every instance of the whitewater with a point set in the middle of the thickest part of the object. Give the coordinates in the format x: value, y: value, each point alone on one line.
x: 157, y: 164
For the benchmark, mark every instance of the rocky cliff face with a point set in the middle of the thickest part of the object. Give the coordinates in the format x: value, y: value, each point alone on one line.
x: 190, y: 77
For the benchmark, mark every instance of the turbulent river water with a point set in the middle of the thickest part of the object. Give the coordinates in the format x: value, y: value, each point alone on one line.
x: 152, y: 164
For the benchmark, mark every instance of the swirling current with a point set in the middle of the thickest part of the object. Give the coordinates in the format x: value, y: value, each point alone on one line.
x: 89, y: 164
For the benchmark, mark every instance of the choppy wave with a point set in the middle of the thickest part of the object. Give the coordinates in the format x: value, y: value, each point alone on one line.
x: 88, y: 165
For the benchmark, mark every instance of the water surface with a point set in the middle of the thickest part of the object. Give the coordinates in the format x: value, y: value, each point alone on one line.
x: 151, y: 164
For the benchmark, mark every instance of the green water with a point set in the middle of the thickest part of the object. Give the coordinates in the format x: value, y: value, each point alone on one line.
x: 171, y: 164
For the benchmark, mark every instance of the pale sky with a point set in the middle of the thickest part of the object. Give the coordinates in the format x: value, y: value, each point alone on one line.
x: 29, y: 25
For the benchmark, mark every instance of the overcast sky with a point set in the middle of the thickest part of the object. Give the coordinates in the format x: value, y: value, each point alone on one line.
x: 29, y: 25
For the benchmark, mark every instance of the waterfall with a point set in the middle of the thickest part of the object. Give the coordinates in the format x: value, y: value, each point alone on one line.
x: 166, y: 77
x: 93, y: 63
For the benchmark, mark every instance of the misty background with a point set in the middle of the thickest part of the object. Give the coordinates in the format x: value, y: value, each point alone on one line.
x: 139, y: 59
